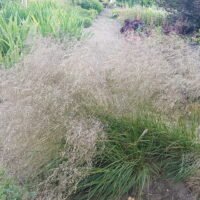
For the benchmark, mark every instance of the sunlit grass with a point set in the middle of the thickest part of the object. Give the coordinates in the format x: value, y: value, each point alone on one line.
x: 12, y: 38
x: 150, y: 15
x: 48, y: 18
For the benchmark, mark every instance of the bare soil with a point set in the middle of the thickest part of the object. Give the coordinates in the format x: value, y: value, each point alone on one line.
x: 165, y: 190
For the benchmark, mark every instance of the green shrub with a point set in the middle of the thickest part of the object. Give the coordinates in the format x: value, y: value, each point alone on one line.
x: 135, y: 151
x: 91, y: 4
x: 150, y: 15
x: 196, y: 37
x: 88, y: 13
x: 93, y: 13
x: 87, y: 22
x: 87, y: 16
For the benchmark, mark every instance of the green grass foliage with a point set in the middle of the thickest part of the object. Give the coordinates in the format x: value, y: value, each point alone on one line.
x: 152, y: 16
x: 54, y: 19
x: 137, y: 149
x: 91, y: 4
x: 136, y: 2
x: 8, y: 188
x: 14, y: 28
x: 48, y: 18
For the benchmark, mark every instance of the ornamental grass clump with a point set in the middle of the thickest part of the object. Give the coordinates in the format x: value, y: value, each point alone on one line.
x: 137, y: 149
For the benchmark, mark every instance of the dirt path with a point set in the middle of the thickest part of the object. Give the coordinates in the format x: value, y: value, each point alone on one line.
x: 105, y: 43
x: 106, y: 39
x: 165, y: 70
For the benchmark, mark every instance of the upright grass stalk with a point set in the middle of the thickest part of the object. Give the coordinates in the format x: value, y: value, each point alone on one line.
x: 12, y: 37
x: 50, y: 19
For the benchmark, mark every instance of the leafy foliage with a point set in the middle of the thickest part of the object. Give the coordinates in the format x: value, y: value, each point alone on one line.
x: 49, y: 18
x: 91, y: 4
x: 12, y: 37
x: 188, y: 9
